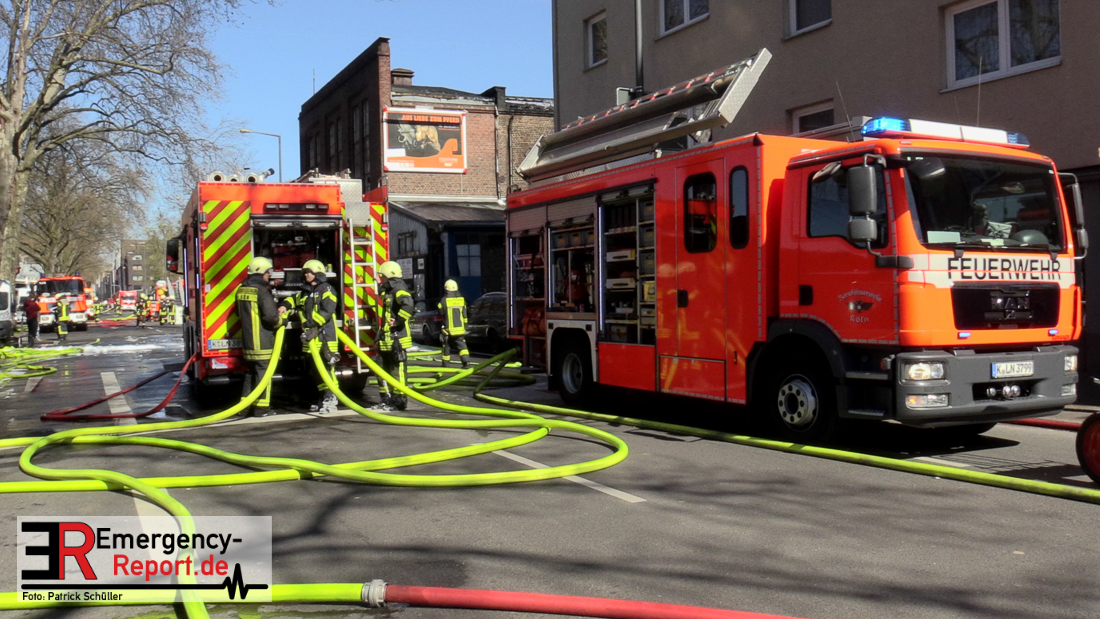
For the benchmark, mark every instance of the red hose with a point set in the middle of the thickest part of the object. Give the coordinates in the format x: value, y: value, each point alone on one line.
x: 63, y: 415
x: 1052, y: 424
x: 515, y: 601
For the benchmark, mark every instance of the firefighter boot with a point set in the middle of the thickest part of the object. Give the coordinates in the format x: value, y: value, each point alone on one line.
x: 385, y: 405
x: 465, y: 362
x: 399, y: 401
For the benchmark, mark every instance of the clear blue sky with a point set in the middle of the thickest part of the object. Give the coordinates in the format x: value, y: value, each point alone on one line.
x: 273, y: 52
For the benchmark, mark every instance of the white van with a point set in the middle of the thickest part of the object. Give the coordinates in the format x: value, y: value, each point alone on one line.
x: 7, y: 322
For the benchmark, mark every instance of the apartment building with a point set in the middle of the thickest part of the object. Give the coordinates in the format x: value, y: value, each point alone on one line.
x: 1020, y: 65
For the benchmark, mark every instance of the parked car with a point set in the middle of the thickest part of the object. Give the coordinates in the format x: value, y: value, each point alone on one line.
x: 487, y: 320
x: 426, y: 323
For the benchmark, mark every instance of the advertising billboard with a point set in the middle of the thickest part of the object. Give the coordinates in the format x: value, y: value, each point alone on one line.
x: 424, y: 140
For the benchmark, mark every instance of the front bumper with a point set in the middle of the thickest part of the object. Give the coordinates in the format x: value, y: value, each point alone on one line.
x: 968, y: 377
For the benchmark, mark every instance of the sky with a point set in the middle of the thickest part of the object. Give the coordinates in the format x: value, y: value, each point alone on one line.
x: 272, y: 54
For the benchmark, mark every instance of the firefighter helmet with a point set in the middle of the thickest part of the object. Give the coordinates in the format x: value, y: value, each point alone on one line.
x: 260, y: 265
x: 390, y: 270
x: 450, y: 285
x: 313, y: 266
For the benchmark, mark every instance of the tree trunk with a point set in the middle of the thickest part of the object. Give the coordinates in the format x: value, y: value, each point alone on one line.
x: 13, y: 194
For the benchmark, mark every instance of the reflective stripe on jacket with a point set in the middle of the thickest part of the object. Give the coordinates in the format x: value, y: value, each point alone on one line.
x: 454, y: 314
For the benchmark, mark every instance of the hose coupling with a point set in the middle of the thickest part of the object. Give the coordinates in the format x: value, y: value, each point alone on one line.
x: 374, y: 593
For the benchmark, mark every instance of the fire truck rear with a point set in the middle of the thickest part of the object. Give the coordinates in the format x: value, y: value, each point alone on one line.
x: 226, y: 224
x: 925, y: 274
x: 62, y: 289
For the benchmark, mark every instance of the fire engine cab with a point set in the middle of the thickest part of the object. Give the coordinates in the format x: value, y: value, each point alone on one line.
x: 227, y: 223
x: 67, y: 289
x: 924, y: 274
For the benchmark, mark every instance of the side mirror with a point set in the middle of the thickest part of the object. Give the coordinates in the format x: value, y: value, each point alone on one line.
x: 171, y: 256
x: 862, y: 230
x: 1073, y: 188
x: 862, y: 191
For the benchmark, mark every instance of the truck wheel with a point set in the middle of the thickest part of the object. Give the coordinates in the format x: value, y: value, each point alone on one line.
x: 573, y: 373
x: 801, y: 402
x: 353, y: 386
x: 1088, y: 446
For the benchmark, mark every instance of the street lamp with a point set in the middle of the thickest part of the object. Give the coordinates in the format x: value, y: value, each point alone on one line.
x: 280, y: 138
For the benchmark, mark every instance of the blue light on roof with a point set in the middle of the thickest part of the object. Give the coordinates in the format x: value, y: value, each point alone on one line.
x: 885, y: 125
x: 1018, y: 139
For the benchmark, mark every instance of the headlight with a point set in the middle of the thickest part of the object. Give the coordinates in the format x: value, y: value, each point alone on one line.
x: 1071, y: 363
x: 932, y: 400
x: 922, y: 371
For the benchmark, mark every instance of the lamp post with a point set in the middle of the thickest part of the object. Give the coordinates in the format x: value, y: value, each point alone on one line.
x: 280, y: 138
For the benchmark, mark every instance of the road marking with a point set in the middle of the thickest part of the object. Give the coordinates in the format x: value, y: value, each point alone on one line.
x: 145, y: 509
x: 618, y: 494
x: 942, y: 462
x: 32, y: 383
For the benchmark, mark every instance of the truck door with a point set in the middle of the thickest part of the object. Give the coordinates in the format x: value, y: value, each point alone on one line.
x: 700, y: 261
x: 838, y: 283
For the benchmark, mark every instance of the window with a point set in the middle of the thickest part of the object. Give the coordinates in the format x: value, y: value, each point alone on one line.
x: 356, y: 142
x: 828, y: 212
x: 313, y: 151
x: 136, y: 257
x: 739, y: 208
x: 137, y: 278
x: 678, y: 13
x: 136, y: 267
x: 366, y: 144
x: 469, y: 256
x: 332, y: 141
x: 991, y: 39
x: 812, y: 117
x: 596, y: 30
x: 806, y: 14
x: 700, y: 213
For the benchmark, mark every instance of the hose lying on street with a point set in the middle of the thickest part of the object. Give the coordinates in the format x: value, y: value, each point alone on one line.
x: 24, y: 362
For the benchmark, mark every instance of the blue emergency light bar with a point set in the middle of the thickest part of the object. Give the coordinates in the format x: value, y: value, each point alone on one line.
x: 885, y: 127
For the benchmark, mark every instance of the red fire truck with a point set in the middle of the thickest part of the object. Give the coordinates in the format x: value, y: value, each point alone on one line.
x: 63, y: 288
x: 226, y: 224
x: 925, y: 274
x: 127, y: 300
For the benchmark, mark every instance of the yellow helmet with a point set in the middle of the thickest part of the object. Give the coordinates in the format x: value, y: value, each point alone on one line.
x: 260, y: 265
x: 450, y: 285
x: 314, y: 266
x: 390, y: 270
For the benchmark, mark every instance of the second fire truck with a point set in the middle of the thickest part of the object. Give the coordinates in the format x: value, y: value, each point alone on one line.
x: 925, y: 274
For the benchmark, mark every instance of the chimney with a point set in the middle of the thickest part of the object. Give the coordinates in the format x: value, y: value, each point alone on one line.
x: 402, y: 77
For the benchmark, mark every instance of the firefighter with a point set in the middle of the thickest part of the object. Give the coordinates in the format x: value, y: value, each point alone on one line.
x: 453, y: 332
x: 166, y: 308
x: 260, y: 317
x: 140, y: 308
x: 61, y: 312
x: 316, y: 305
x: 393, y: 333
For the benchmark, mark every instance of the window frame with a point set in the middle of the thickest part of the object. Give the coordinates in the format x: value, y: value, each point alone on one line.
x: 792, y: 19
x: 1004, y: 45
x: 590, y: 48
x: 809, y: 110
x: 687, y: 20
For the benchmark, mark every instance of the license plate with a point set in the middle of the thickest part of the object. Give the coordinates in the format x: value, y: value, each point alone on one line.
x: 1013, y: 369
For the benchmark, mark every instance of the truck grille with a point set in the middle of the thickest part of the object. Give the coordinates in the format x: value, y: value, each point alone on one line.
x: 1005, y: 307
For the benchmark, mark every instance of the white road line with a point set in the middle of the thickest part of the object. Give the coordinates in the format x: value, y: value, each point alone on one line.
x: 31, y: 384
x: 145, y: 509
x: 942, y: 462
x: 618, y: 494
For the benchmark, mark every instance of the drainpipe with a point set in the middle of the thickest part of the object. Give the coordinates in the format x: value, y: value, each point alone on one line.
x: 639, y: 81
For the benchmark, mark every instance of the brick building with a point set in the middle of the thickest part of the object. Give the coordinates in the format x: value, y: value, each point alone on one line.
x: 442, y: 159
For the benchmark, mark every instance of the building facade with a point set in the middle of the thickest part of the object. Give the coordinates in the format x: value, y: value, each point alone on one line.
x: 442, y: 159
x: 131, y: 267
x: 1019, y: 65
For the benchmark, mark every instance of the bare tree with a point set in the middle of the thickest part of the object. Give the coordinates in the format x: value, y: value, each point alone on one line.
x: 131, y: 74
x: 81, y: 200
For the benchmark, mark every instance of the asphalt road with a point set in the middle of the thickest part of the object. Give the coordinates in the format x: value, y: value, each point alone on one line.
x: 681, y: 520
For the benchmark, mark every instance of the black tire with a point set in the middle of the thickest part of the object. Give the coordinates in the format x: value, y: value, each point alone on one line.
x: 426, y: 334
x: 353, y: 386
x: 799, y: 402
x: 81, y: 327
x: 1088, y: 446
x: 573, y: 372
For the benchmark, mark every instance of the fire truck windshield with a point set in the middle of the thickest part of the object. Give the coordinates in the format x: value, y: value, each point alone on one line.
x: 984, y: 204
x: 58, y: 286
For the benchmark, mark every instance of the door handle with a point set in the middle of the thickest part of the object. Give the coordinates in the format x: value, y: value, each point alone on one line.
x: 681, y: 298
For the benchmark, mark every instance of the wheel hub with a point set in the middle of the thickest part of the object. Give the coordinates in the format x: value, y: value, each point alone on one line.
x: 797, y: 401
x: 572, y: 373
